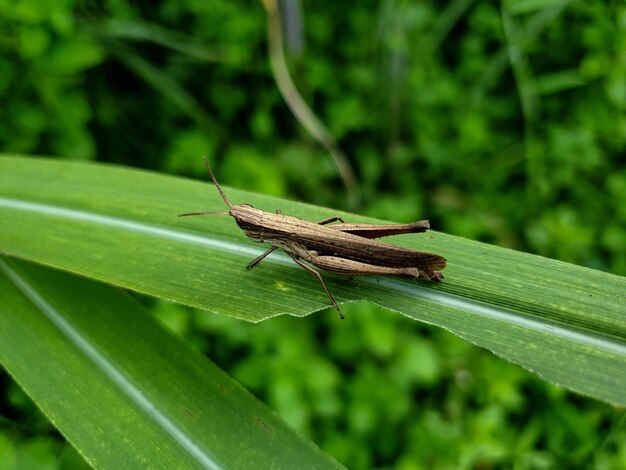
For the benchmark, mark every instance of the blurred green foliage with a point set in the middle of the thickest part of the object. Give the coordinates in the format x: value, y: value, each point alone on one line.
x: 500, y: 121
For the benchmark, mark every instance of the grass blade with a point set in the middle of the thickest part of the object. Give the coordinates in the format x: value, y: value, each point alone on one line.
x: 565, y: 322
x: 123, y: 391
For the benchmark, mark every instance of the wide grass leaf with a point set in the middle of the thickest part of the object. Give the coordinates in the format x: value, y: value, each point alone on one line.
x: 565, y: 322
x: 126, y: 393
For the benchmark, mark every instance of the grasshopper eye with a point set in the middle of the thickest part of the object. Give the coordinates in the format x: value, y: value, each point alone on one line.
x: 246, y: 204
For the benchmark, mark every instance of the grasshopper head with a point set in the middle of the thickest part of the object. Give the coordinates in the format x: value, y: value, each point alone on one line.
x: 247, y: 217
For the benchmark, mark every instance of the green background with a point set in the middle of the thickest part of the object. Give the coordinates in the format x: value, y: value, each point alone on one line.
x: 499, y: 121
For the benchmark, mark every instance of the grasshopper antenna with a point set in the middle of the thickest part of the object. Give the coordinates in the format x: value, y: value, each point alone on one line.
x: 219, y: 188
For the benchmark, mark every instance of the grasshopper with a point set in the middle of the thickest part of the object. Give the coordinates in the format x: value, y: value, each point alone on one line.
x: 341, y: 248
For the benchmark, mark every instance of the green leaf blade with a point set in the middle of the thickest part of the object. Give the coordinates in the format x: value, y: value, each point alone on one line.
x: 566, y: 322
x: 122, y: 390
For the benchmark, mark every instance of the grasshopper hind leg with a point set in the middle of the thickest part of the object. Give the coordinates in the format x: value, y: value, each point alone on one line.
x: 319, y: 277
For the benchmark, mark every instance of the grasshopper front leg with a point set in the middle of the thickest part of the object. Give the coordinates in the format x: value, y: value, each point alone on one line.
x: 258, y: 259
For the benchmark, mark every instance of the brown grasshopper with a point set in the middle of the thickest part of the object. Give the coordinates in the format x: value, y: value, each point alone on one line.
x: 342, y: 248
